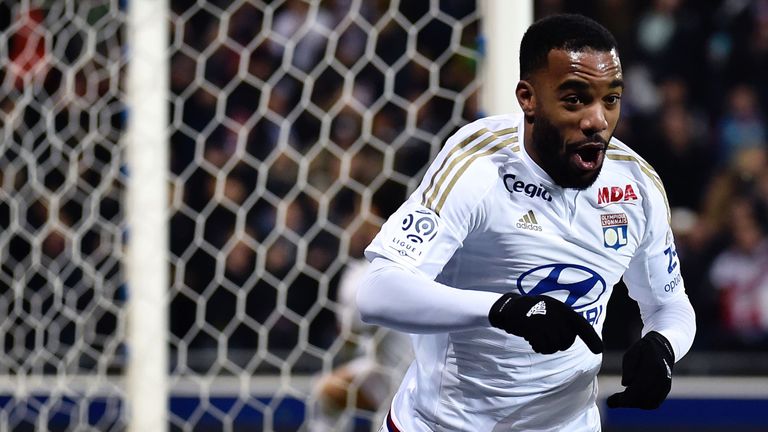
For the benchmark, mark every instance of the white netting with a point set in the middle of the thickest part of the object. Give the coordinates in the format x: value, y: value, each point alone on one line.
x: 296, y: 127
x: 61, y: 285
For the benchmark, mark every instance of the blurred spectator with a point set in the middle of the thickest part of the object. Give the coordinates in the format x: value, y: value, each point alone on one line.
x: 680, y: 156
x: 305, y: 25
x: 734, y: 181
x: 713, y: 231
x: 666, y: 39
x: 367, y: 381
x: 739, y: 274
x: 742, y: 126
x: 29, y: 62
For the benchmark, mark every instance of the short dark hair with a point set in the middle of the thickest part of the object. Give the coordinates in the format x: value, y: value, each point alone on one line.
x: 569, y: 32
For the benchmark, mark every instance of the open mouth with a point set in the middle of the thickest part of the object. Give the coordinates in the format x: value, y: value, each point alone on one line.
x: 588, y: 157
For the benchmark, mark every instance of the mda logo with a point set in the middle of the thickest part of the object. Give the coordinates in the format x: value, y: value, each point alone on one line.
x: 616, y: 194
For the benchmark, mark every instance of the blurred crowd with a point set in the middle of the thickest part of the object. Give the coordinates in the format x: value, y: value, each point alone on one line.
x: 298, y: 127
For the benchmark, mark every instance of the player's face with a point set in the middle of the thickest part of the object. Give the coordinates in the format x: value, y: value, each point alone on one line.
x: 575, y: 109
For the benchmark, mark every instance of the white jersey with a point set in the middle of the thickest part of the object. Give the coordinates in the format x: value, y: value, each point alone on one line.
x: 486, y: 217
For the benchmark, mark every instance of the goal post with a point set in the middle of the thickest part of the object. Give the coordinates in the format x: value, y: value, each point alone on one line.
x: 147, y: 214
x: 504, y: 23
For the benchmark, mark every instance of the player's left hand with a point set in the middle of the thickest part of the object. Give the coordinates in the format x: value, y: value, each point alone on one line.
x: 646, y: 372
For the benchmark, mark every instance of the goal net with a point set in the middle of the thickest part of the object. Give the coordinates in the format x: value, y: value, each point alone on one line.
x: 61, y: 190
x: 295, y: 128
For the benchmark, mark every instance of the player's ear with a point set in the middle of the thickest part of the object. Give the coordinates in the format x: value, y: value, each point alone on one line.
x: 526, y: 97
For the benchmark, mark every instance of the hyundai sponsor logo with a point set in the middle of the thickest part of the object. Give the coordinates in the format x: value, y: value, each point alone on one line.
x: 575, y: 285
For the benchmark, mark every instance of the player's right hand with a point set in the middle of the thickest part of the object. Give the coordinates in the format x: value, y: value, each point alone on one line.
x: 547, y: 324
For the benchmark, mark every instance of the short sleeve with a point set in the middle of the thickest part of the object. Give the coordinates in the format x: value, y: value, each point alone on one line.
x: 417, y: 238
x: 425, y: 232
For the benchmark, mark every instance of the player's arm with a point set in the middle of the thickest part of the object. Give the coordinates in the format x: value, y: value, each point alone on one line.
x: 675, y: 320
x: 669, y: 322
x: 394, y: 296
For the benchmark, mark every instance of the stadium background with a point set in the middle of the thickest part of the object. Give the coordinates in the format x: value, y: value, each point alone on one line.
x: 295, y: 129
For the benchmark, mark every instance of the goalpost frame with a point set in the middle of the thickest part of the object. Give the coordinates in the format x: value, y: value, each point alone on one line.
x: 503, y: 24
x: 147, y: 252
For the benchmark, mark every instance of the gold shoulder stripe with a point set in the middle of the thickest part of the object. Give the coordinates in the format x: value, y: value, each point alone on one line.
x: 647, y: 170
x: 444, y: 177
x: 442, y: 173
x: 466, y: 165
x: 639, y: 160
x: 450, y: 154
x: 644, y: 166
x: 507, y: 131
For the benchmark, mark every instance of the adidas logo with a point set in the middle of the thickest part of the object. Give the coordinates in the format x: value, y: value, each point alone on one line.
x: 539, y: 308
x: 529, y: 222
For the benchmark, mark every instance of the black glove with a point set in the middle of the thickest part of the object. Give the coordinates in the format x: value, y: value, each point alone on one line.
x: 547, y: 324
x: 646, y: 373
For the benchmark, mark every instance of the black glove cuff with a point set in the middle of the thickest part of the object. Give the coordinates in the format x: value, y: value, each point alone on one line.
x: 497, y: 313
x: 665, y: 347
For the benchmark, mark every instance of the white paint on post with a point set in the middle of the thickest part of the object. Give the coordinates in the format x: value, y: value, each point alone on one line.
x: 147, y: 89
x: 503, y: 24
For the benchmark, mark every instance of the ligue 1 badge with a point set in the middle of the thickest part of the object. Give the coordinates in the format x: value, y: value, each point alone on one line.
x: 417, y: 229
